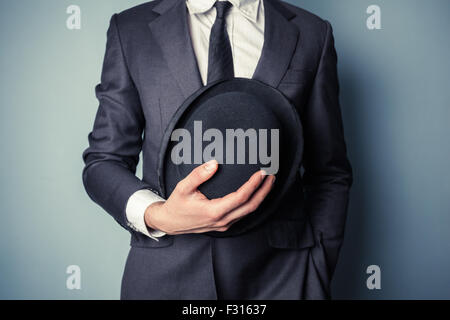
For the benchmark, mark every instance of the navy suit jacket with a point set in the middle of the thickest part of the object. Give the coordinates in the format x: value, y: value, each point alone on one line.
x: 149, y: 70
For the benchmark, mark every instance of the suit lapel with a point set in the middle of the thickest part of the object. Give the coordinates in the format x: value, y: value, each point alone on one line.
x: 280, y: 41
x: 171, y: 32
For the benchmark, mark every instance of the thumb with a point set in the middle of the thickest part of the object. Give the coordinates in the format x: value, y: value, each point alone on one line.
x: 199, y: 175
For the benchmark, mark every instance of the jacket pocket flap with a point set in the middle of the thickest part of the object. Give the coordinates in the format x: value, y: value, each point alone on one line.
x: 290, y: 234
x: 142, y: 241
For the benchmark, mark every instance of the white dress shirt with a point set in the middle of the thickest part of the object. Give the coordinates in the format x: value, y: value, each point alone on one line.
x: 245, y: 27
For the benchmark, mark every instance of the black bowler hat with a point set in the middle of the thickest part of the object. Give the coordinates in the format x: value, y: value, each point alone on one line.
x: 220, y: 112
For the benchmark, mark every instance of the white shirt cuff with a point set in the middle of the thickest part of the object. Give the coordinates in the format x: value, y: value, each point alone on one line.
x: 136, y: 206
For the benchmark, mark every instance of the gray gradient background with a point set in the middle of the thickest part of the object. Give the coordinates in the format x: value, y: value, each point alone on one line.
x: 395, y: 103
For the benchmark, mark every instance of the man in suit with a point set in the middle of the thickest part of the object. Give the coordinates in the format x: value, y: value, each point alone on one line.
x: 157, y: 55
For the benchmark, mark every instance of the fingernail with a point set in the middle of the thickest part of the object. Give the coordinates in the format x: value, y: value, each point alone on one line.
x: 274, y: 178
x: 263, y: 173
x: 210, y: 165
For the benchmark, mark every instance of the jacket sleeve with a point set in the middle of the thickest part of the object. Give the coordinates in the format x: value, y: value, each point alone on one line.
x: 327, y: 171
x: 116, y: 139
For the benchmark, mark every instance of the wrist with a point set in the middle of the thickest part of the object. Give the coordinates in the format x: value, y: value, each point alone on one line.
x: 151, y: 215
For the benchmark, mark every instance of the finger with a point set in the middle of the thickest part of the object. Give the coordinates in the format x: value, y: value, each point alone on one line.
x: 240, y: 196
x: 199, y: 175
x: 251, y: 205
x: 227, y: 226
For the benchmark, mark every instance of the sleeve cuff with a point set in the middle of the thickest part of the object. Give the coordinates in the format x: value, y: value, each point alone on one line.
x: 135, y: 211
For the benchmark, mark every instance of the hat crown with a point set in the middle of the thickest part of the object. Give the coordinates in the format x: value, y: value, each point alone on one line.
x: 238, y: 130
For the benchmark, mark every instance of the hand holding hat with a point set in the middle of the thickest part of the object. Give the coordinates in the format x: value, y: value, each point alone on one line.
x: 187, y: 210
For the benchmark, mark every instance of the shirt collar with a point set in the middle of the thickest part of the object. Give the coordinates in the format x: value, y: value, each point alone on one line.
x: 248, y: 8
